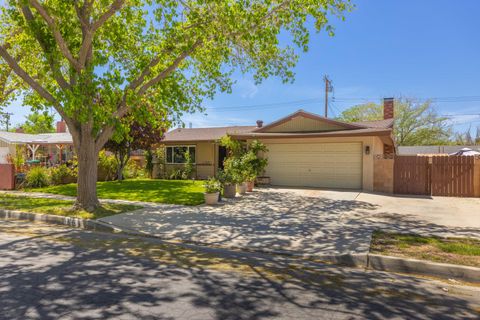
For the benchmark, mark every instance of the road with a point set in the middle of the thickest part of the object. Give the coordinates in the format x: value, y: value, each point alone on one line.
x: 52, y: 272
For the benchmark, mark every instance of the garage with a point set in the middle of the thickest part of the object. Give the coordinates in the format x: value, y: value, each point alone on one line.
x: 323, y: 165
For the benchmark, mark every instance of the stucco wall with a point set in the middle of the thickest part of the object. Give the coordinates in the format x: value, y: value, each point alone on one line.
x: 205, y: 156
x: 375, y: 144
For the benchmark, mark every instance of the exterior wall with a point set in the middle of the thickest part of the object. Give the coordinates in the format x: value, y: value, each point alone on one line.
x: 7, y: 174
x: 383, y: 174
x: 205, y: 159
x: 375, y: 144
x: 302, y: 124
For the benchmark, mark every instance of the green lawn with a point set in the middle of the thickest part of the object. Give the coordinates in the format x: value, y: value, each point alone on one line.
x: 60, y: 207
x: 150, y: 190
x: 465, y: 251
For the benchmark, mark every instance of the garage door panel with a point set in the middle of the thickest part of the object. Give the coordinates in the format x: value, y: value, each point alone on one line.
x: 332, y: 165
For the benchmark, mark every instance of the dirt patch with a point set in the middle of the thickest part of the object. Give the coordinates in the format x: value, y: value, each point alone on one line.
x: 461, y: 251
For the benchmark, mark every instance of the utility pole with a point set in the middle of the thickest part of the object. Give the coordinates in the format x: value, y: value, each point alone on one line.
x: 328, y: 88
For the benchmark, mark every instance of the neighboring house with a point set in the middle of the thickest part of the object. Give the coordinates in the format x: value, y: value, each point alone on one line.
x: 51, y: 148
x: 432, y: 150
x: 305, y: 149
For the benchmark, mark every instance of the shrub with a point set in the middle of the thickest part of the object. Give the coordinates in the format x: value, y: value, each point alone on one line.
x: 63, y: 175
x: 176, y: 174
x: 107, y: 167
x: 37, y: 177
x: 132, y: 170
x: 212, y: 185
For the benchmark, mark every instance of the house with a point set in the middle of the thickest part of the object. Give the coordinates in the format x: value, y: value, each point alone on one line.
x: 305, y: 149
x: 49, y: 148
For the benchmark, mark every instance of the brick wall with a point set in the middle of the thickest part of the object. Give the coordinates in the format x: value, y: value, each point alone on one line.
x: 383, y: 174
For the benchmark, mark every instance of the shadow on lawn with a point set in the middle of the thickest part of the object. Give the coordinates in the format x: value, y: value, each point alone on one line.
x: 50, y: 280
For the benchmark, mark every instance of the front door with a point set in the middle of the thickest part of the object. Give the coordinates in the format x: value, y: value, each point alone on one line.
x: 222, y: 154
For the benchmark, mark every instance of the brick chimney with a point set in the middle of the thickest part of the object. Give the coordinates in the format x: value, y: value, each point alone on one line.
x: 388, y: 107
x: 61, y: 127
x: 19, y: 130
x: 259, y: 123
x: 388, y: 113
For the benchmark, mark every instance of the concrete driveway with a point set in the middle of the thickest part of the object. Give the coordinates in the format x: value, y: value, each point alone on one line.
x: 306, y: 222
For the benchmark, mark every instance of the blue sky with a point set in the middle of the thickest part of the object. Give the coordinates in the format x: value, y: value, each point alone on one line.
x: 423, y: 49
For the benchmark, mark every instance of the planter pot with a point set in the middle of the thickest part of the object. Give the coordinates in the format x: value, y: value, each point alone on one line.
x: 242, y: 188
x: 263, y: 181
x: 250, y: 185
x: 211, y: 198
x: 229, y: 191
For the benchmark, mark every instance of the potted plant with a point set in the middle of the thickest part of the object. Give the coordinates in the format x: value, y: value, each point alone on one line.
x: 228, y: 183
x: 212, y: 191
x: 253, y: 164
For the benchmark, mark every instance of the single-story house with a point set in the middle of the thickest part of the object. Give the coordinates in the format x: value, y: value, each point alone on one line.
x: 48, y: 148
x: 304, y: 149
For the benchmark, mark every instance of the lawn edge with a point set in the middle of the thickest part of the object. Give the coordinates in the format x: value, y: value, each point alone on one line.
x: 74, y: 222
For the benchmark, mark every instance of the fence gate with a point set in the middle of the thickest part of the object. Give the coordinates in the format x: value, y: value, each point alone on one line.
x: 453, y: 176
x: 411, y: 175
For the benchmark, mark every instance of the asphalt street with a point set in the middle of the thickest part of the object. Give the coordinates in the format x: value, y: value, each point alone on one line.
x: 52, y: 272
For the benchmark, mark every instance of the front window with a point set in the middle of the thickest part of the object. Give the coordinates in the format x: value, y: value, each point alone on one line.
x: 176, y: 154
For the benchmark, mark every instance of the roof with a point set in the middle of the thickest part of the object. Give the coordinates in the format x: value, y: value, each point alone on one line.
x: 379, y: 127
x: 42, y: 138
x: 386, y: 123
x: 204, y: 134
x: 309, y: 115
x: 340, y: 133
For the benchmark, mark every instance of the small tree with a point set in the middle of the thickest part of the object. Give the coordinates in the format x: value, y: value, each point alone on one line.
x: 39, y: 122
x: 133, y: 136
x: 416, y: 123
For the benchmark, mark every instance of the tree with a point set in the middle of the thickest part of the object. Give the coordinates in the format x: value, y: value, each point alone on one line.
x: 138, y: 136
x: 416, y: 123
x: 39, y: 123
x: 97, y: 61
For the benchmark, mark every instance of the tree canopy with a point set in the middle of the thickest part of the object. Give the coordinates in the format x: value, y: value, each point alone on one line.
x: 97, y: 61
x: 416, y: 123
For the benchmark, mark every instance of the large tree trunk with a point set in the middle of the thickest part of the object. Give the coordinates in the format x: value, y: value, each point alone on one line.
x: 87, y: 174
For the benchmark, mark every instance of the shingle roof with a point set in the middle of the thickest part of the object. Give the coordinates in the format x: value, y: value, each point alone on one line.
x: 387, y: 123
x: 339, y: 133
x: 215, y: 133
x: 43, y: 138
x: 204, y: 134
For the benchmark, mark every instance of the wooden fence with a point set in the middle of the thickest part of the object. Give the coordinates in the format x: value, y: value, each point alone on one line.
x: 411, y: 175
x: 450, y: 176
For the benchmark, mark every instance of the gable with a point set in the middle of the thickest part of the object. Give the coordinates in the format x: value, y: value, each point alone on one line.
x: 301, y: 123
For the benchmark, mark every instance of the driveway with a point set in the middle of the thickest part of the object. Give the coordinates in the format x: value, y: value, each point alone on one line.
x: 306, y: 222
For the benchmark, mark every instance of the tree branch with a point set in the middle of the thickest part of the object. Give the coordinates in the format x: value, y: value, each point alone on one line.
x: 19, y: 71
x: 89, y: 30
x: 116, y: 5
x: 56, y: 33
x: 54, y: 65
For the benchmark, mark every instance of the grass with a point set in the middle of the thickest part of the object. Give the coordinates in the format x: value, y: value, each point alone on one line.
x: 60, y: 207
x: 185, y: 192
x: 463, y: 251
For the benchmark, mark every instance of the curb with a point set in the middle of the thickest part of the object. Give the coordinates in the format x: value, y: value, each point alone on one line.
x: 368, y: 261
x: 426, y: 268
x: 60, y: 220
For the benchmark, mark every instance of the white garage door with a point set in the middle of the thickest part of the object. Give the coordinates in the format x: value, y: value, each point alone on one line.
x: 328, y: 165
